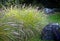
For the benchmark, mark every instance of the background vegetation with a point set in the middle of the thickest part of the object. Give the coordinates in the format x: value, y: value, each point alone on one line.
x: 18, y: 2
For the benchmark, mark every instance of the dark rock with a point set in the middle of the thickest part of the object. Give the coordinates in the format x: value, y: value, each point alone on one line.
x: 51, y: 10
x: 48, y: 10
x: 51, y: 32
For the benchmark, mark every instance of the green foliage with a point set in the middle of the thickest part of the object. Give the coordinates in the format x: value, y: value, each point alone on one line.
x: 54, y: 18
x: 23, y: 24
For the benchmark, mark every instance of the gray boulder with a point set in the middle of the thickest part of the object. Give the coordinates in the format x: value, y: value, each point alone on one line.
x: 51, y: 32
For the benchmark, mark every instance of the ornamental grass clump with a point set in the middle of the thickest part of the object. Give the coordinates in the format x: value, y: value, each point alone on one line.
x: 21, y: 23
